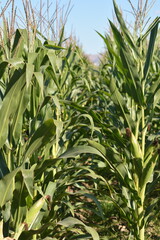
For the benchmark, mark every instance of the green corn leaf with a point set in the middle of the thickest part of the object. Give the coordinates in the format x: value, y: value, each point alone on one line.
x: 152, y: 40
x: 28, y: 235
x: 45, y: 101
x: 148, y: 170
x: 116, y: 95
x: 7, y: 187
x: 41, y: 137
x: 98, y: 146
x: 152, y: 26
x: 32, y: 56
x: 61, y: 37
x: 149, y: 214
x: 112, y: 52
x: 121, y: 170
x: 70, y: 221
x: 39, y: 78
x: 133, y: 80
x: 57, y: 103
x: 53, y: 47
x: 18, y: 44
x: 19, y: 203
x: 95, y: 149
x: 90, y: 119
x: 34, y: 211
x: 153, y: 184
x: 51, y: 189
x: 3, y: 66
x: 136, y: 149
x: 124, y: 29
x: 18, y: 116
x: 29, y: 73
x: 154, y: 87
x: 64, y: 76
x: 131, y: 74
x: 117, y: 36
x: 75, y: 151
x: 120, y: 102
x: 16, y: 62
x: 53, y: 59
x: 3, y: 167
x: 9, y: 106
x: 31, y: 217
x: 53, y: 77
x: 28, y: 178
x: 156, y: 98
x: 100, y: 210
x: 43, y: 165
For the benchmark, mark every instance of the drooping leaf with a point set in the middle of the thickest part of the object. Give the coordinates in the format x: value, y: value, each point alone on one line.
x: 100, y: 210
x: 70, y: 221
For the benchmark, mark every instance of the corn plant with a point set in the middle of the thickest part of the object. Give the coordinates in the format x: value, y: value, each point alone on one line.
x: 35, y: 129
x: 131, y: 148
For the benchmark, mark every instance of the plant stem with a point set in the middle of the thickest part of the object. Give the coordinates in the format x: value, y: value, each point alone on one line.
x: 141, y: 214
x: 141, y: 234
x: 143, y: 132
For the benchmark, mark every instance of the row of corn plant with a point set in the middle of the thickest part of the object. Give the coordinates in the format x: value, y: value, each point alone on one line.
x: 130, y: 147
x: 36, y: 128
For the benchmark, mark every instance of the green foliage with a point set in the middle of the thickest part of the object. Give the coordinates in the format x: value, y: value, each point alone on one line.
x: 79, y: 144
x: 132, y: 151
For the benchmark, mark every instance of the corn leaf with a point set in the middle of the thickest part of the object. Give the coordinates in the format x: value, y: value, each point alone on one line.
x: 124, y: 29
x: 3, y: 167
x: 41, y: 137
x: 152, y: 40
x: 7, y: 187
x: 70, y: 221
x: 9, y: 106
x: 18, y: 116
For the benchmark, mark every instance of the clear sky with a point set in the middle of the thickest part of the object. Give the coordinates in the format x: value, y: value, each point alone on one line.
x: 90, y: 15
x: 87, y: 16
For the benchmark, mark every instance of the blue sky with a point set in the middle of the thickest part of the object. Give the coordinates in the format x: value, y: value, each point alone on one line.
x: 87, y: 16
x: 90, y: 15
